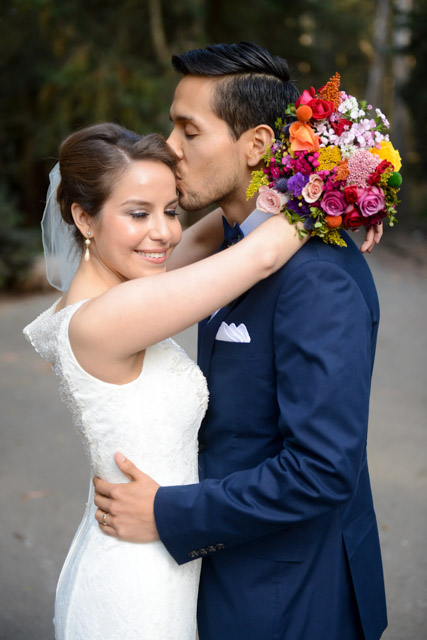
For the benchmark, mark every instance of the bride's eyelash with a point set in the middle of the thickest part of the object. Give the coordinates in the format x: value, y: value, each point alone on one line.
x: 138, y: 214
x: 143, y: 214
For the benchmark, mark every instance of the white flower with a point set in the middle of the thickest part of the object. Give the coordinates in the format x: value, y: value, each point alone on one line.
x: 348, y: 150
x: 383, y: 118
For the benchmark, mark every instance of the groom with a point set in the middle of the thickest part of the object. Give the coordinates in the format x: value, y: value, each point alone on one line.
x: 283, y: 515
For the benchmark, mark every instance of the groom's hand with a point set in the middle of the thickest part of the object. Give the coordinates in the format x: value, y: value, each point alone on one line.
x: 128, y: 507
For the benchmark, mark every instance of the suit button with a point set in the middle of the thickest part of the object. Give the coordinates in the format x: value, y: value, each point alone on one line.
x: 202, y: 446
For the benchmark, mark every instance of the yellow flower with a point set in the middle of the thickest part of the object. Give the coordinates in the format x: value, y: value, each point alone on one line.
x: 258, y: 179
x: 388, y: 152
x: 329, y: 158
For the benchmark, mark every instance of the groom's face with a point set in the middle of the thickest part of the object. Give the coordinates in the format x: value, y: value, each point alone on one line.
x: 212, y: 165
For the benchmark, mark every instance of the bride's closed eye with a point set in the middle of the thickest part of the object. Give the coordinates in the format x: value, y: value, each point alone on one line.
x: 138, y: 214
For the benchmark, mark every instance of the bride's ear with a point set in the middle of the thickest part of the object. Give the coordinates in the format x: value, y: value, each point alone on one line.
x: 81, y: 219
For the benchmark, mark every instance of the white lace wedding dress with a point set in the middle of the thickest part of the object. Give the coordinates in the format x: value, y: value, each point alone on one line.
x: 108, y: 589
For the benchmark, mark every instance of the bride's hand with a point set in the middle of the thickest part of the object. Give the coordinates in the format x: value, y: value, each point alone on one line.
x: 373, y: 237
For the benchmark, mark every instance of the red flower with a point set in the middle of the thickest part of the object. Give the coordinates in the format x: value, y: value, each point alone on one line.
x: 350, y: 194
x: 376, y: 218
x: 306, y: 97
x: 340, y: 126
x: 385, y: 164
x: 321, y: 108
x: 375, y: 177
x: 353, y: 218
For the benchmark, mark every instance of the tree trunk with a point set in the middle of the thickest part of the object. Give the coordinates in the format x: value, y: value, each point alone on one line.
x: 375, y: 88
x: 401, y: 70
x: 158, y: 32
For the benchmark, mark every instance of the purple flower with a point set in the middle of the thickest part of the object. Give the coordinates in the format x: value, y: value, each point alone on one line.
x: 285, y: 131
x: 281, y: 185
x: 297, y: 183
x: 299, y: 206
x: 309, y: 223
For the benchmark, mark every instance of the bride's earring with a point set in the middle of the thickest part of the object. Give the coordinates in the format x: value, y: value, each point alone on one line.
x: 87, y: 243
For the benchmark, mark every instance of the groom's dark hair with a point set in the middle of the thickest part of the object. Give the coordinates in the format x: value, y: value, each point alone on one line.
x: 254, y: 87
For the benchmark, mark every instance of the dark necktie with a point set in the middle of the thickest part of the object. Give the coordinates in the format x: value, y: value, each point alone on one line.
x: 231, y: 234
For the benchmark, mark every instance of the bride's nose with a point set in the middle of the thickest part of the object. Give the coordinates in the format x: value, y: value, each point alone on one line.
x: 160, y: 229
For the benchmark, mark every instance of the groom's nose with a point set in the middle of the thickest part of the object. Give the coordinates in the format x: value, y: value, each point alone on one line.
x: 173, y: 142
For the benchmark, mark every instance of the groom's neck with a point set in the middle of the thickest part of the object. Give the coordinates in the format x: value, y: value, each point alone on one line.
x: 237, y: 210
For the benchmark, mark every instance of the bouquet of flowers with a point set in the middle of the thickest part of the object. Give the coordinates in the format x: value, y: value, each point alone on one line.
x: 333, y: 168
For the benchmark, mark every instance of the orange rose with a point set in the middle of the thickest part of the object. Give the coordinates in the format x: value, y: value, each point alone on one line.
x: 302, y: 137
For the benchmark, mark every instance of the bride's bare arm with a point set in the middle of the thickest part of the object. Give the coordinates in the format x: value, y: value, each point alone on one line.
x: 122, y: 322
x: 203, y: 238
x: 199, y: 241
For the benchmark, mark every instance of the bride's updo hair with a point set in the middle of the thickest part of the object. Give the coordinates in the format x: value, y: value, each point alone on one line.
x: 93, y: 159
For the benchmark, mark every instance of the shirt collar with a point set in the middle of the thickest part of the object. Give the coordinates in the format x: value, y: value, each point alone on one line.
x: 253, y: 221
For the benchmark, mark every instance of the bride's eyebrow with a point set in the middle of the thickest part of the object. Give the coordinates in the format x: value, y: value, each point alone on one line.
x: 134, y: 201
x: 144, y: 203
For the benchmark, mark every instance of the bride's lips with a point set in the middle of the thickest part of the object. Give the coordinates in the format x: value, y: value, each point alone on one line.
x: 156, y: 257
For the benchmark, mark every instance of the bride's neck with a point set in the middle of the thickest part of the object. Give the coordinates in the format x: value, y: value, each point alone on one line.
x: 88, y: 282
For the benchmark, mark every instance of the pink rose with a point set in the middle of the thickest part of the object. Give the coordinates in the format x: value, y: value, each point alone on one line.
x: 313, y: 189
x: 370, y: 200
x: 333, y: 203
x: 270, y: 201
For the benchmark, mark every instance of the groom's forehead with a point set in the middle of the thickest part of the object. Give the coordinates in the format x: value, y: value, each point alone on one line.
x: 193, y: 95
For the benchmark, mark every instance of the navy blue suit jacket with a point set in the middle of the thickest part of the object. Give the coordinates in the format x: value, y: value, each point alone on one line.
x: 283, y: 514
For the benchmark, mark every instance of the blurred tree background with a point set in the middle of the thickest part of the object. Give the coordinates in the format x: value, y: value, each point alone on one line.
x: 68, y: 63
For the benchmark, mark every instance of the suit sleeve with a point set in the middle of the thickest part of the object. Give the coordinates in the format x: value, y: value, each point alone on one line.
x: 323, y: 348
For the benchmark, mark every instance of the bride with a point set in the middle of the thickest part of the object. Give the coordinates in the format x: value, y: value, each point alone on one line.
x: 128, y: 386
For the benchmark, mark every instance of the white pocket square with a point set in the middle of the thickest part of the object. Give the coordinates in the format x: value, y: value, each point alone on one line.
x: 231, y: 333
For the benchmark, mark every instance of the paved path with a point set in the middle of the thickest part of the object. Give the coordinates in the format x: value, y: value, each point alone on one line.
x: 44, y: 476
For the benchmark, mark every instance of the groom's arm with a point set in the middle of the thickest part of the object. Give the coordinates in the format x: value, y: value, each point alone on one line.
x: 323, y: 335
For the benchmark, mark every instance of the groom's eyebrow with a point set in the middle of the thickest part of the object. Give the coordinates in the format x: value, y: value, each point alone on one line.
x: 179, y: 118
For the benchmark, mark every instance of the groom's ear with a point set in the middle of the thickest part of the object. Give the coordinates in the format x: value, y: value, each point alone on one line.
x: 261, y: 138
